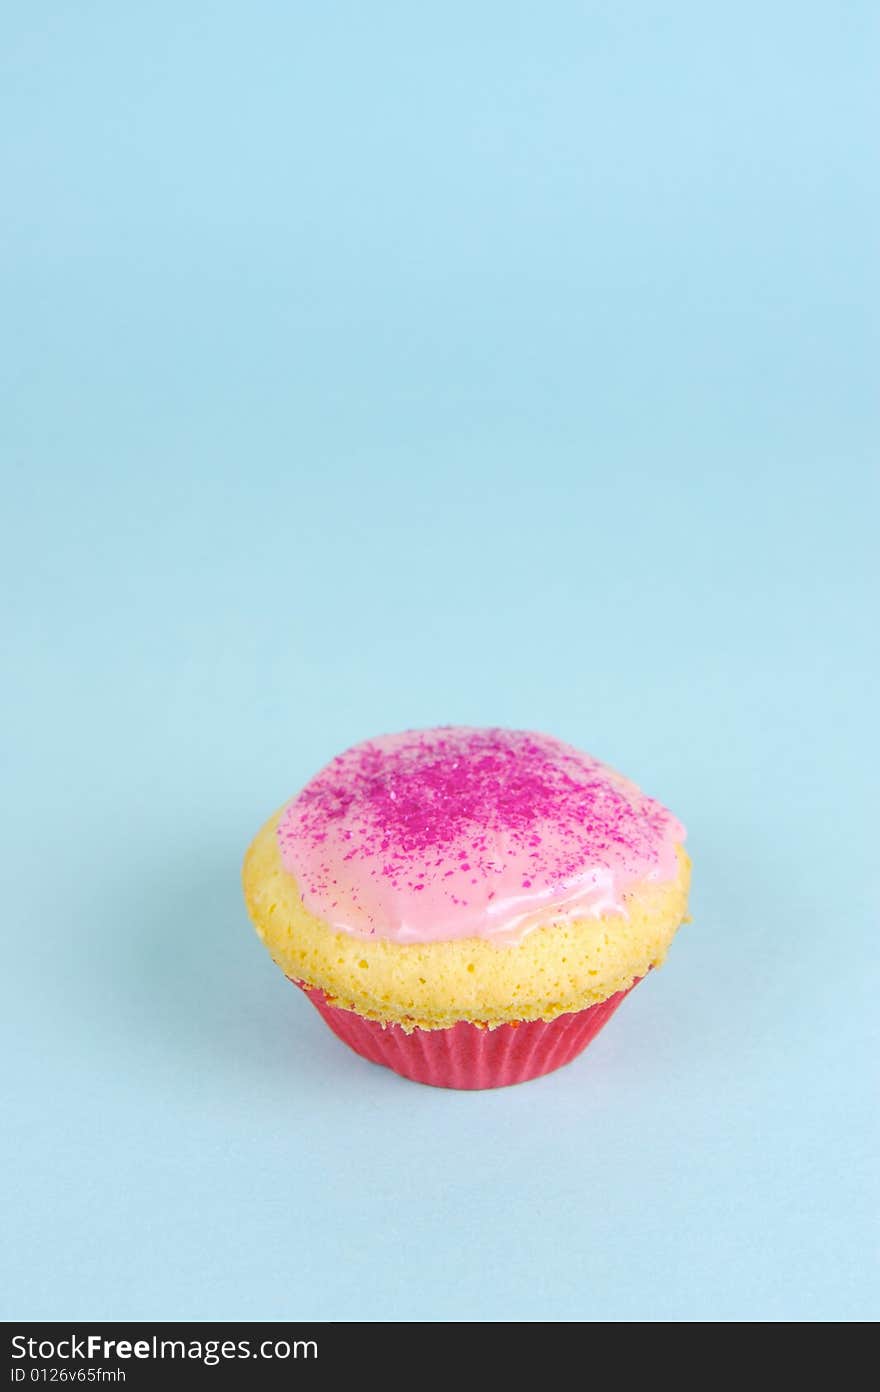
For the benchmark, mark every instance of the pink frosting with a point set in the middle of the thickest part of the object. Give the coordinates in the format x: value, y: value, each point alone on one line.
x: 452, y: 833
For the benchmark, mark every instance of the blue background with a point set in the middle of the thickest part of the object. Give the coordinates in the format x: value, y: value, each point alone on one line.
x: 375, y: 366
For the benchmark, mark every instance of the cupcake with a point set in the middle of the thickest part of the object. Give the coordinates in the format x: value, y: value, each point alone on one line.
x: 467, y: 906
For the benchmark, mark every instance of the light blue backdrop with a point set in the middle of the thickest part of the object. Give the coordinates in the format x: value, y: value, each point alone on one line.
x: 371, y: 366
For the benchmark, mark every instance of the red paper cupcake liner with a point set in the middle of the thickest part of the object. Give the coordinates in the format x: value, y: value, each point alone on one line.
x: 465, y: 1055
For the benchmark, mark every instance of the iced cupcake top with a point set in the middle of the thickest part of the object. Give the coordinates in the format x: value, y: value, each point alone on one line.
x: 434, y: 835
